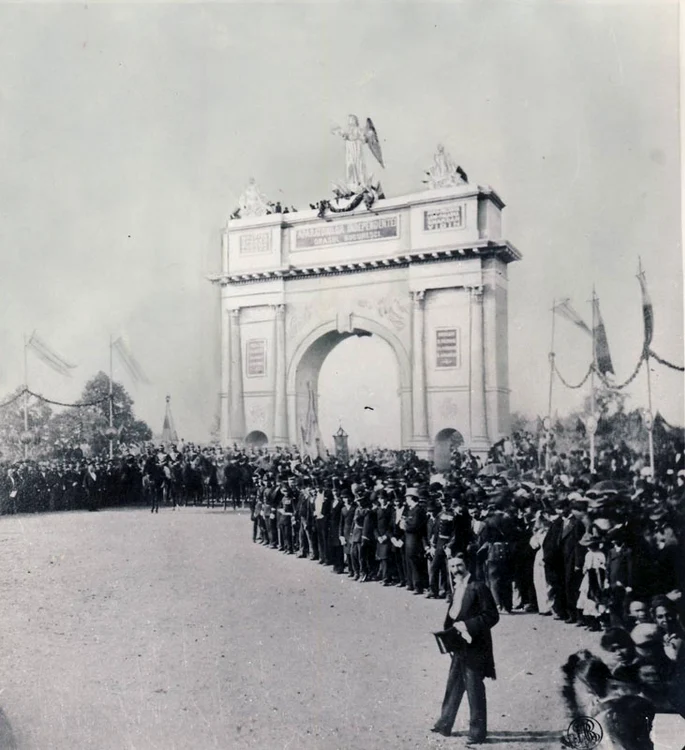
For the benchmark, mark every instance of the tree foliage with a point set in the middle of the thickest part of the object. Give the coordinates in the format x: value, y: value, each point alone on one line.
x: 55, y: 433
x: 12, y: 424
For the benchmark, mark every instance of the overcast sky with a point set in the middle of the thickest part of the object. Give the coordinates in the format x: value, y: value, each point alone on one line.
x: 127, y: 133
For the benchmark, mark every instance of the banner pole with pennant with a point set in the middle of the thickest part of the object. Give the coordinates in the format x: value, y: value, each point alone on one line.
x: 592, y: 422
x: 551, y: 384
x: 26, y: 397
x: 648, y: 315
x: 111, y: 398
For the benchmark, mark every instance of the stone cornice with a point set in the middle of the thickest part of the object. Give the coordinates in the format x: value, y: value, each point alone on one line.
x: 504, y: 250
x: 442, y: 195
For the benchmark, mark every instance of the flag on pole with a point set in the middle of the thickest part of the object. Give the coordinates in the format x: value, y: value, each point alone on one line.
x: 565, y: 310
x: 602, y: 354
x: 647, y: 309
x: 49, y: 356
x: 122, y: 348
x: 310, y: 428
x: 169, y: 434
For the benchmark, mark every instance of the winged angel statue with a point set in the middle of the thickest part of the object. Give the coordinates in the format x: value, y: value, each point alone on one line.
x: 356, y: 137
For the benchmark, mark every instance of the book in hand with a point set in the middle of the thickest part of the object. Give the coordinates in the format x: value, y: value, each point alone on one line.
x: 449, y: 640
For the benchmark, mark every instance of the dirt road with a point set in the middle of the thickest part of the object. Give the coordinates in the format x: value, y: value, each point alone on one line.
x: 127, y: 631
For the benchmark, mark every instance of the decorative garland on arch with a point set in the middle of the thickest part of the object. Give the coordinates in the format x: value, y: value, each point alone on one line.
x: 664, y: 362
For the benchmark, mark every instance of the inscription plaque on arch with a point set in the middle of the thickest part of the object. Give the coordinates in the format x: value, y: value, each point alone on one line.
x: 255, y: 243
x: 446, y: 348
x: 381, y: 228
x: 256, y: 358
x: 447, y: 217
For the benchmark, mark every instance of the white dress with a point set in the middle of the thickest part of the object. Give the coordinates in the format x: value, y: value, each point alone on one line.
x: 543, y: 591
x: 594, y: 577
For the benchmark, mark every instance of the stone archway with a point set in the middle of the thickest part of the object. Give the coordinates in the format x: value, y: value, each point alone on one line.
x: 425, y: 272
x: 445, y: 441
x: 305, y: 366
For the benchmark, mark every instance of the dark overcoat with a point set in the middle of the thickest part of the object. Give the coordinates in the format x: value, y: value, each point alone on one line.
x: 479, y: 614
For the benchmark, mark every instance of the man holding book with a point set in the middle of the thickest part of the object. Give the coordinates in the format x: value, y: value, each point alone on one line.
x: 471, y: 615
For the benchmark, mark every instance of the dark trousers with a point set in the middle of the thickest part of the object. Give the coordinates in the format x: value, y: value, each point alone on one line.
x: 572, y: 579
x: 337, y: 556
x: 416, y: 566
x: 322, y: 534
x: 400, y: 564
x: 356, y: 558
x: 463, y: 678
x: 304, y: 540
x: 500, y: 581
x: 438, y: 571
x: 287, y: 534
x: 367, y: 557
x: 556, y: 581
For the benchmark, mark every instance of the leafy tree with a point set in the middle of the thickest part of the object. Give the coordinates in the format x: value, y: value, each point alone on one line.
x: 88, y: 423
x: 12, y: 426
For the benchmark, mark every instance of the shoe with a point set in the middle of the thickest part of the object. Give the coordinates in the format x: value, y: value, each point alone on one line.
x: 471, y: 743
x: 431, y: 595
x: 440, y: 730
x: 418, y: 592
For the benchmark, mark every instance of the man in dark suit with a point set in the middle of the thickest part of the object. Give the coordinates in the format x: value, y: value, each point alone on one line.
x: 472, y: 614
x: 414, y: 533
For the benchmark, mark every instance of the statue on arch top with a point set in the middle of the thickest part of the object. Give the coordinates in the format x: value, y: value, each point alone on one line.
x: 356, y: 137
x: 444, y: 172
x: 253, y: 202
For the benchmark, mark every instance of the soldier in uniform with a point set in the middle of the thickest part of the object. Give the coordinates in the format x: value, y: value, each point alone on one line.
x: 345, y: 529
x: 414, y: 530
x: 286, y: 520
x: 444, y: 533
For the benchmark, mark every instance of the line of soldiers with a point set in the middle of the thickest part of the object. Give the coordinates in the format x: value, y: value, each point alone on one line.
x: 371, y: 530
x: 564, y: 550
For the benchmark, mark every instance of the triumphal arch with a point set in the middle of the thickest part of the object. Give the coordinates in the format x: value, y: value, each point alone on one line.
x: 426, y: 272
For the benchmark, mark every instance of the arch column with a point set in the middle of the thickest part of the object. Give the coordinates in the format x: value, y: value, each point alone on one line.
x: 224, y: 404
x: 280, y: 428
x: 479, y: 425
x: 236, y: 422
x: 418, y: 379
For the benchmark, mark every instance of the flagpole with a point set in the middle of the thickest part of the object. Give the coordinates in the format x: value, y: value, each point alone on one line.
x: 111, y: 391
x: 551, y: 383
x: 593, y: 425
x: 650, y: 427
x: 26, y: 395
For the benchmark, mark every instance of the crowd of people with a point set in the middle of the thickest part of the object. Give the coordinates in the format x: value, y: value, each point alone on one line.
x: 152, y: 475
x: 601, y: 551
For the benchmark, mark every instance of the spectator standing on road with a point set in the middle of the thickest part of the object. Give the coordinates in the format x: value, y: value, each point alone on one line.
x: 472, y: 613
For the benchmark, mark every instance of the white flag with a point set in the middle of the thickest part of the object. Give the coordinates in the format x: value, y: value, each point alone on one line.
x: 134, y: 369
x: 48, y: 356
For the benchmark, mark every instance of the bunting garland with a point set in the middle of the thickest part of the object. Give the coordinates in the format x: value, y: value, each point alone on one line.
x: 665, y: 362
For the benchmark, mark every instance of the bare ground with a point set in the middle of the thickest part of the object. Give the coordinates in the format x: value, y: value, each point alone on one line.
x: 127, y: 631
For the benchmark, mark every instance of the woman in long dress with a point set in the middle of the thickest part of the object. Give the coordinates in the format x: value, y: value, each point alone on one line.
x: 543, y: 591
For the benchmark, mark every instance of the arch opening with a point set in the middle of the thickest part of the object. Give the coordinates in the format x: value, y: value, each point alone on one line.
x: 366, y: 364
x: 256, y: 439
x: 445, y: 442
